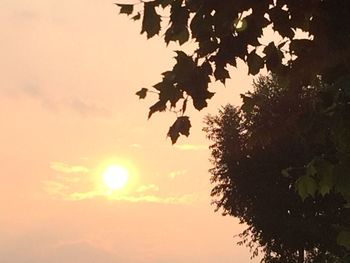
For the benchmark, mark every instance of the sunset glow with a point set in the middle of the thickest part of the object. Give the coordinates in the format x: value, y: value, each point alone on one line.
x: 85, y: 176
x: 115, y: 177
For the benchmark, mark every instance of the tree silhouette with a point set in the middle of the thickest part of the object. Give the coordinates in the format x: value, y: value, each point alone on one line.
x: 251, y: 148
x: 226, y: 31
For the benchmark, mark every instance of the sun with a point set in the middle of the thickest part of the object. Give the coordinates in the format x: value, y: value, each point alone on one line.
x: 115, y: 177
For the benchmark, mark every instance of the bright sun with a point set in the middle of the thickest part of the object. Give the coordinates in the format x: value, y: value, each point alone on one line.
x: 115, y: 177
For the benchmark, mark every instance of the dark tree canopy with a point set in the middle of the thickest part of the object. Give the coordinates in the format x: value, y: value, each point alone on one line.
x: 251, y: 148
x: 226, y: 31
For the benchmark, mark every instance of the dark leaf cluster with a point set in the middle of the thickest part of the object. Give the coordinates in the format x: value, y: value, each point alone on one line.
x: 253, y: 146
x: 226, y: 30
x: 308, y: 127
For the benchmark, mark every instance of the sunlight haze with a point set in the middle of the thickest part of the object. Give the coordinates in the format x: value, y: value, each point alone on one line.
x: 69, y: 73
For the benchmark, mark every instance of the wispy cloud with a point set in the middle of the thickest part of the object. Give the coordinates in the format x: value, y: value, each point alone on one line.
x: 65, y: 168
x: 175, y: 174
x: 179, y: 199
x: 87, y: 107
x: 73, y: 183
x: 83, y: 106
x: 144, y: 193
x: 55, y: 188
x: 191, y: 147
x: 59, y: 190
x: 31, y: 90
x: 147, y: 188
x: 82, y: 250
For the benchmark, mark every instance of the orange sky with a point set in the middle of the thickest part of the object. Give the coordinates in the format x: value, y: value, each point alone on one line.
x: 69, y: 71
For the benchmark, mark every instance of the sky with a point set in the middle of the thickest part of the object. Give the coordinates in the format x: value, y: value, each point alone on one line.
x: 68, y: 110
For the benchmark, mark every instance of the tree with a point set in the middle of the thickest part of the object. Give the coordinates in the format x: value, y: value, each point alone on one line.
x: 252, y: 145
x: 225, y: 31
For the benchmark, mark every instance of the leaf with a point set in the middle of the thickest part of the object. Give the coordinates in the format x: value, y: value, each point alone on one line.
x: 255, y: 63
x: 181, y: 35
x: 305, y: 186
x: 184, y: 106
x: 325, y: 175
x: 136, y: 17
x: 168, y: 92
x: 281, y: 23
x: 280, y: 45
x: 182, y: 126
x: 286, y: 172
x: 207, y: 68
x: 184, y: 67
x: 221, y: 73
x: 273, y: 57
x: 142, y: 93
x: 301, y: 47
x: 178, y: 30
x: 343, y: 238
x: 169, y: 76
x: 342, y: 180
x: 310, y: 169
x: 325, y: 185
x: 206, y: 47
x: 200, y: 96
x: 158, y: 106
x: 151, y: 20
x: 200, y: 26
x: 126, y: 9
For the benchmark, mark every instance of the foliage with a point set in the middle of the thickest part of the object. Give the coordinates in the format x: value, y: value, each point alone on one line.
x: 225, y: 31
x: 252, y: 145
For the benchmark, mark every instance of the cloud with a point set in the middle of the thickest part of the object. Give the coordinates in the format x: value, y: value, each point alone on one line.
x: 147, y: 188
x: 178, y: 199
x: 175, y: 174
x: 48, y: 247
x: 191, y: 147
x: 87, y: 108
x: 62, y: 191
x: 81, y: 251
x: 31, y: 90
x: 75, y: 184
x: 64, y: 168
x: 54, y: 188
x: 70, y: 178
